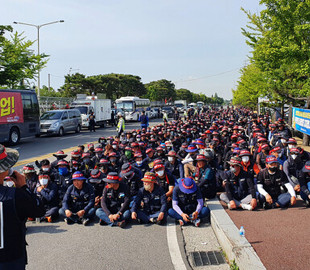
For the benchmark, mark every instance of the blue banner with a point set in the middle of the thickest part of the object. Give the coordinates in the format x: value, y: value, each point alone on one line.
x: 301, y: 120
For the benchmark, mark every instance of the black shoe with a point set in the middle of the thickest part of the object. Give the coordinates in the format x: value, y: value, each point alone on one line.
x: 69, y: 221
x: 153, y: 220
x: 85, y: 221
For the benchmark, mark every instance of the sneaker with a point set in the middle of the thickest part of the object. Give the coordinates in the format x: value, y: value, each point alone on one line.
x: 102, y: 223
x: 247, y: 207
x: 307, y: 203
x: 181, y: 222
x: 267, y: 206
x: 85, y: 221
x: 121, y: 224
x: 69, y: 221
x: 228, y: 206
x: 197, y: 222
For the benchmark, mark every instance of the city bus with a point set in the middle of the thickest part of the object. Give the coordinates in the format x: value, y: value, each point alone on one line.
x: 131, y: 107
x: 19, y: 115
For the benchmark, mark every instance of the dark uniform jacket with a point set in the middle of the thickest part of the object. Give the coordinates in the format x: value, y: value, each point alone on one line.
x: 114, y: 201
x: 49, y: 195
x: 76, y: 200
x: 153, y: 202
x: 239, y: 186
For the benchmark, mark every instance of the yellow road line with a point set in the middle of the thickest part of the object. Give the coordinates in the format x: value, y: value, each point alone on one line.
x: 31, y: 160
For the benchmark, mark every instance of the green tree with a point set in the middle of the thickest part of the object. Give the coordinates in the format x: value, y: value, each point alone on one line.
x: 279, y: 37
x: 75, y: 84
x: 18, y: 63
x: 161, y: 90
x: 184, y: 94
x: 45, y: 92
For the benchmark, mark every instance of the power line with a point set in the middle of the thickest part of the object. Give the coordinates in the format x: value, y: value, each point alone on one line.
x: 208, y: 76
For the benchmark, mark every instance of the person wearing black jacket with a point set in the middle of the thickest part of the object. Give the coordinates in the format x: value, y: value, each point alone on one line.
x: 239, y: 187
x: 16, y: 205
x: 115, y: 202
x: 304, y: 181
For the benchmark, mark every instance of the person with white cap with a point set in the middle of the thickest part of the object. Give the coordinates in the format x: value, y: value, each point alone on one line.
x: 16, y: 204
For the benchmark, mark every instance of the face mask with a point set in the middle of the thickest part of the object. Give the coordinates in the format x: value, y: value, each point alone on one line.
x: 113, y: 160
x: 8, y: 184
x: 294, y: 156
x: 280, y: 155
x: 75, y: 168
x: 63, y: 171
x: 245, y: 159
x: 232, y: 169
x: 45, y: 169
x: 98, y: 155
x: 86, y: 160
x: 170, y: 159
x: 283, y: 141
x: 273, y: 169
x: 43, y: 181
x: 139, y: 162
x: 290, y: 146
x: 147, y: 187
x: 114, y: 146
x: 160, y: 173
x: 138, y: 139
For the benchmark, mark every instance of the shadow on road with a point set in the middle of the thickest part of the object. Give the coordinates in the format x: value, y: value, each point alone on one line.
x: 44, y: 229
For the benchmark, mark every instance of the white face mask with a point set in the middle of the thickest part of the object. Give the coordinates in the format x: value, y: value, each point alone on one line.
x: 294, y: 156
x: 290, y: 146
x: 75, y: 168
x: 245, y: 159
x: 170, y: 159
x: 160, y: 173
x: 114, y: 146
x: 45, y: 169
x: 8, y: 184
x: 283, y: 141
x: 138, y: 139
x: 139, y: 162
x: 43, y: 181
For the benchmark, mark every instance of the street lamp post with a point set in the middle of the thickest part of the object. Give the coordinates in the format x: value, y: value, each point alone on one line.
x: 38, y: 34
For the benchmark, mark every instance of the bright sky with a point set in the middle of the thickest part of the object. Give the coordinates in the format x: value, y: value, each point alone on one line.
x: 186, y: 42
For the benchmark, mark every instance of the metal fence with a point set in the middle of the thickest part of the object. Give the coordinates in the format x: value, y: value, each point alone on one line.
x: 54, y: 103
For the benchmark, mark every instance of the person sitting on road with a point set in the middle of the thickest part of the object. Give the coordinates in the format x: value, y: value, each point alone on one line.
x: 47, y: 191
x: 78, y: 202
x: 31, y: 177
x: 174, y: 165
x: 271, y: 182
x: 115, y: 202
x: 59, y: 155
x: 239, y: 187
x: 304, y: 180
x: 63, y: 177
x: 204, y: 175
x: 96, y: 180
x: 187, y: 203
x: 150, y: 205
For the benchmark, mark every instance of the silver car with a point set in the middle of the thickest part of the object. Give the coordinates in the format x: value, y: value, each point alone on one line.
x: 59, y: 122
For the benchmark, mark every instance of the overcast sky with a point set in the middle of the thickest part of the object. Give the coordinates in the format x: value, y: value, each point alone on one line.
x: 197, y: 44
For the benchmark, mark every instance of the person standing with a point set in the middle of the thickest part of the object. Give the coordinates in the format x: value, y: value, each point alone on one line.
x: 144, y: 120
x: 120, y: 125
x: 16, y: 204
x: 92, y: 122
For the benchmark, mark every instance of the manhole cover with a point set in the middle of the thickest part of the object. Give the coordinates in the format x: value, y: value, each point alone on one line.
x: 201, y: 258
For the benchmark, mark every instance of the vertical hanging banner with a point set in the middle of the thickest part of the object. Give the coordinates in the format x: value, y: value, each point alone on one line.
x: 301, y: 120
x: 11, y: 108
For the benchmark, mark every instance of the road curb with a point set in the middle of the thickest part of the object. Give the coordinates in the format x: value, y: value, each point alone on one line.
x: 236, y: 247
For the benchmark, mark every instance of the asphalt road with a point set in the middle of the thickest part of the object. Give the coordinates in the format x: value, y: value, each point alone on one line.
x: 62, y: 246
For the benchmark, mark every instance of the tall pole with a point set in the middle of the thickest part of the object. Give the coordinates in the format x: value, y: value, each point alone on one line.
x: 49, y: 82
x: 38, y: 29
x: 38, y: 34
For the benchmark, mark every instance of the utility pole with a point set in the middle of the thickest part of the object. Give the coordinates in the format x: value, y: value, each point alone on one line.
x: 49, y: 82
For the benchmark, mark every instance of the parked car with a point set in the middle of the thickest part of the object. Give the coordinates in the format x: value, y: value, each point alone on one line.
x: 59, y: 122
x: 168, y: 110
x: 155, y: 113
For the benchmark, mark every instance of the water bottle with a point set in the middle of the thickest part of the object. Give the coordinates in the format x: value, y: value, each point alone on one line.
x: 242, y: 231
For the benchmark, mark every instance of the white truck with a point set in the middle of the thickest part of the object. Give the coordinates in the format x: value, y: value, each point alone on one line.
x: 181, y: 105
x: 87, y: 104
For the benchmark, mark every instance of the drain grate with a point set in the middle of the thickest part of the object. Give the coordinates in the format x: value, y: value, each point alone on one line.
x: 201, y: 258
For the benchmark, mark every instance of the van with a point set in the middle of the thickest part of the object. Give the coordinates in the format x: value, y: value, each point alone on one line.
x: 59, y: 122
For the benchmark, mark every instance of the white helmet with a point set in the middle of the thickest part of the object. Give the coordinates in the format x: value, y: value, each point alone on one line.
x: 119, y: 114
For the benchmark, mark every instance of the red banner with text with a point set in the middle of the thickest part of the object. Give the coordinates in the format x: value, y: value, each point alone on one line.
x: 11, y: 108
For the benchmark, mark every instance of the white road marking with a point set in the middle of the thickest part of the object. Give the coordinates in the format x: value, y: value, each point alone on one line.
x: 174, y: 249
